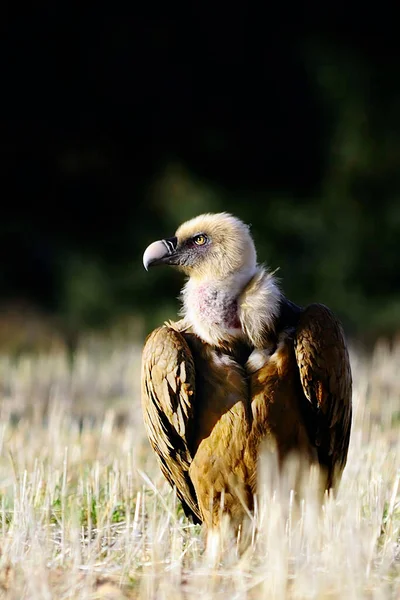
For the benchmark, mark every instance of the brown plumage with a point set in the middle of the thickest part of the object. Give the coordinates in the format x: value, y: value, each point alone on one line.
x: 244, y: 366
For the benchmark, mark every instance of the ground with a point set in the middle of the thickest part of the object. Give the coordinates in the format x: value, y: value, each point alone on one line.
x: 85, y: 512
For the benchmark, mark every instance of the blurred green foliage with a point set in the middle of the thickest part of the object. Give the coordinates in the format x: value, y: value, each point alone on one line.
x: 338, y: 244
x: 339, y: 247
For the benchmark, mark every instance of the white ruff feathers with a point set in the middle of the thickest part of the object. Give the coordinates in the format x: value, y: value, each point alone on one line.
x: 259, y: 307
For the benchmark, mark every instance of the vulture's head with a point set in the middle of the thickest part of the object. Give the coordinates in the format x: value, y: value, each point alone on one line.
x: 210, y: 246
x: 227, y: 295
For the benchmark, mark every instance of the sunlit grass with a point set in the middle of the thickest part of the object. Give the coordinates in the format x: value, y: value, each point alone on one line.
x: 85, y: 512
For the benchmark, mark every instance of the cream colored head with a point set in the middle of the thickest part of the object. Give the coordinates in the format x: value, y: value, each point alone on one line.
x: 228, y: 246
x: 210, y: 246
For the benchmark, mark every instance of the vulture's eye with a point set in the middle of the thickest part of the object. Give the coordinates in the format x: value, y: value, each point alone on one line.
x: 200, y: 239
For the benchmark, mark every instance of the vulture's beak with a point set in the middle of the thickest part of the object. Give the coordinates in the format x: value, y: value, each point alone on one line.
x: 162, y: 252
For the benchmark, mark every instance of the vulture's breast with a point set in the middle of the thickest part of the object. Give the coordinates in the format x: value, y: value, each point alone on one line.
x: 278, y: 403
x: 235, y: 412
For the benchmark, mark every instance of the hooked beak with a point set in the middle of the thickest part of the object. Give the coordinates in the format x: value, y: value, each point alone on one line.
x: 162, y: 252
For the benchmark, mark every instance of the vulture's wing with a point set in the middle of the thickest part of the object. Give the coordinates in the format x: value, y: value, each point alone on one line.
x: 168, y: 387
x: 325, y: 374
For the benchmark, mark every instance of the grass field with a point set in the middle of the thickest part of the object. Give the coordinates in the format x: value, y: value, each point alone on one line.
x: 85, y: 513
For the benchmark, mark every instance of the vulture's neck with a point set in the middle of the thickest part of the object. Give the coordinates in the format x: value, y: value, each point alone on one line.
x: 243, y: 306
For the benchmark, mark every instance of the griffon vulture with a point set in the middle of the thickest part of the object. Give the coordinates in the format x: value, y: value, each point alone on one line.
x: 245, y: 364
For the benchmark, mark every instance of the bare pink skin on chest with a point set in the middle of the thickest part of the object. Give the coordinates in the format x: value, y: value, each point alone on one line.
x: 217, y: 307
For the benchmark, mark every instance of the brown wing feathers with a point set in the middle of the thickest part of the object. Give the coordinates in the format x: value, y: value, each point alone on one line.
x: 325, y: 375
x: 168, y: 380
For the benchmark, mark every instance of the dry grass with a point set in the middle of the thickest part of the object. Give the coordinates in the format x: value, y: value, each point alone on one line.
x: 85, y: 513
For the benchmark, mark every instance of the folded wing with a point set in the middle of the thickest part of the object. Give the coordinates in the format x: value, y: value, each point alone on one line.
x: 168, y: 391
x: 325, y: 375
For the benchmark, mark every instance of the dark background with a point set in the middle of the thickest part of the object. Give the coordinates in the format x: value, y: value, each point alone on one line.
x: 119, y: 123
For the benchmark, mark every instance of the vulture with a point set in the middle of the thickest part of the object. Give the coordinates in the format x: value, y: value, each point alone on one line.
x: 243, y: 366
